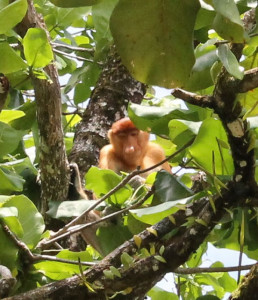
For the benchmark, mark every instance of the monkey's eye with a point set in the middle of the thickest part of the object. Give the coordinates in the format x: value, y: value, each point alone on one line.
x: 121, y: 135
x: 134, y: 133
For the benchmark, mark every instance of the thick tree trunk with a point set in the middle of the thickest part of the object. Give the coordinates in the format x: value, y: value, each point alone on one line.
x: 53, y: 160
x: 109, y: 100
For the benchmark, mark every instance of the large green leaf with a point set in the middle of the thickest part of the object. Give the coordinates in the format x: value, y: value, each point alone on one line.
x: 210, y: 143
x: 168, y: 188
x: 181, y: 131
x: 9, y: 139
x: 112, y: 236
x: 37, y: 49
x: 74, y: 3
x: 12, y: 14
x: 30, y: 219
x: 101, y: 16
x: 156, y: 118
x: 7, y: 116
x: 154, y: 39
x: 68, y: 209
x: 102, y: 181
x: 200, y: 77
x: 153, y: 214
x: 58, y: 271
x: 227, y: 22
x: 65, y: 17
x: 25, y: 122
x: 249, y: 101
x: 10, y: 62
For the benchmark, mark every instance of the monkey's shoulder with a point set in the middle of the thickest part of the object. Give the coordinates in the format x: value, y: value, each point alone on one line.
x: 155, y: 148
x: 106, y: 149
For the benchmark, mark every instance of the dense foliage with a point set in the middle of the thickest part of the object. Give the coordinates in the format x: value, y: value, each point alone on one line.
x: 206, y: 52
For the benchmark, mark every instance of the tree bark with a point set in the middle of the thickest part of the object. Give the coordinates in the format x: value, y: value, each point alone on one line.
x: 108, y: 103
x: 248, y: 286
x: 54, y: 167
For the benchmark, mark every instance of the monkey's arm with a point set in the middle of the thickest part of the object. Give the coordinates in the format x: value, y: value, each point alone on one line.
x: 108, y: 159
x: 154, y: 155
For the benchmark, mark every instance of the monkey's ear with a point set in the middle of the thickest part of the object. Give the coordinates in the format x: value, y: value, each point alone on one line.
x: 110, y: 134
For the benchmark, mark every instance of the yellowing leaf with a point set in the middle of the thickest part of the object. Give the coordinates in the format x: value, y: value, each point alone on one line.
x: 137, y: 241
x: 160, y: 258
x: 200, y: 221
x: 153, y: 231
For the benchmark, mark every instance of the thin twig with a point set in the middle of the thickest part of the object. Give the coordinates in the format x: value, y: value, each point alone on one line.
x: 211, y: 270
x: 72, y: 56
x: 82, y: 49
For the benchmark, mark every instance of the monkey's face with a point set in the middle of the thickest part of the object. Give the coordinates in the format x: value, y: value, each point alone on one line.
x: 130, y: 145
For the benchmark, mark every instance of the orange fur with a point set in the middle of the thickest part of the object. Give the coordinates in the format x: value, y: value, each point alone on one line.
x: 129, y: 148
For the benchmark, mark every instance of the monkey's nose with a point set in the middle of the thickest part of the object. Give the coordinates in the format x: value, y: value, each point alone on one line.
x: 130, y: 150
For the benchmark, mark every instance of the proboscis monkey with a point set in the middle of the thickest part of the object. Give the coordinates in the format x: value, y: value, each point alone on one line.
x: 130, y: 148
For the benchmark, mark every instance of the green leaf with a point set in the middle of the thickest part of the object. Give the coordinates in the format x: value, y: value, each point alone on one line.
x: 157, y: 293
x: 152, y: 215
x: 168, y: 188
x: 249, y: 101
x: 181, y: 131
x: 58, y: 270
x: 8, y: 251
x: 160, y: 258
x: 81, y: 93
x: 8, y: 212
x: 101, y: 16
x: 10, y: 62
x: 154, y: 39
x: 200, y: 77
x: 74, y: 3
x: 30, y: 219
x: 108, y: 274
x: 37, y: 49
x: 102, y: 181
x: 229, y: 284
x: 11, y: 15
x: 227, y: 22
x: 7, y: 116
x: 26, y: 122
x: 126, y: 260
x: 230, y: 62
x: 68, y: 209
x: 10, y: 181
x: 65, y: 17
x: 156, y: 118
x: 112, y: 236
x: 205, y: 145
x: 9, y: 139
x: 115, y: 271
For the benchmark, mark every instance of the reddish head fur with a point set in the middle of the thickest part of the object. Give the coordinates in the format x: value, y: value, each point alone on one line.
x: 124, y: 124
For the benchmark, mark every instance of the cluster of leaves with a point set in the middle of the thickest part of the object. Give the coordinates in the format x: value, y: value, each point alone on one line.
x: 156, y: 47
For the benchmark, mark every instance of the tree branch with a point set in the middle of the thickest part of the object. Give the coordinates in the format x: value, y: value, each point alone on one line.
x: 249, y: 82
x: 202, y: 101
